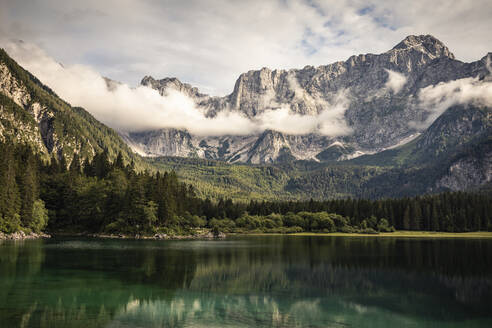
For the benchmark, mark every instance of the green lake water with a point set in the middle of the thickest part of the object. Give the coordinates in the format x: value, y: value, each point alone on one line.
x: 250, y: 281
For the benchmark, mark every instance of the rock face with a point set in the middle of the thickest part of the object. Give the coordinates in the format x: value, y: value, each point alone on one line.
x: 462, y: 136
x: 382, y: 92
x: 29, y: 130
x: 174, y: 83
x: 457, y: 126
x: 468, y: 173
x: 167, y: 142
x: 31, y: 113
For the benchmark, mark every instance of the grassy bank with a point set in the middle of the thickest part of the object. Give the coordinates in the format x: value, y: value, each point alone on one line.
x: 208, y: 234
x: 407, y: 234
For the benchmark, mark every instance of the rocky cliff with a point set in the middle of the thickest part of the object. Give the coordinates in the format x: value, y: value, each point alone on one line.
x: 380, y: 92
x: 31, y: 113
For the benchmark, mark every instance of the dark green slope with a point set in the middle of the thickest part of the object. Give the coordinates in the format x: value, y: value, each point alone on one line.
x: 460, y: 139
x: 58, y: 128
x: 218, y: 179
x: 457, y: 127
x: 452, y: 154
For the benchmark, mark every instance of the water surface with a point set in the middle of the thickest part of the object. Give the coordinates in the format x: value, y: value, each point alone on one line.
x: 251, y: 281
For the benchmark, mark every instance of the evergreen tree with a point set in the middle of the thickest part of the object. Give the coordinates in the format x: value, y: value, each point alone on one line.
x: 415, y: 215
x: 75, y: 164
x: 434, y: 218
x: 10, y: 201
x: 28, y: 189
x: 39, y: 216
x: 406, y: 218
x: 118, y: 163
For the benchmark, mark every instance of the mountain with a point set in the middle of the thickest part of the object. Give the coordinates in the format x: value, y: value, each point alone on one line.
x: 31, y: 113
x: 381, y: 93
x: 400, y: 172
x: 454, y: 152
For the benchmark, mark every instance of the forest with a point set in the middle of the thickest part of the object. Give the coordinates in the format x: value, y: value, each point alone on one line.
x: 103, y: 196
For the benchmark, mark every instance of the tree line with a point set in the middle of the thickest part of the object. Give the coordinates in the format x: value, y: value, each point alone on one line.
x: 449, y: 211
x: 100, y: 195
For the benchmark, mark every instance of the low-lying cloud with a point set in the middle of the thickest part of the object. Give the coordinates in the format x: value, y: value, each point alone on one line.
x: 330, y: 121
x: 395, y: 81
x: 142, y: 108
x: 438, y: 98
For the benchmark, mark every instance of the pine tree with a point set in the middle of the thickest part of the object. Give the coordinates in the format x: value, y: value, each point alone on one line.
x: 415, y: 215
x: 10, y: 200
x: 54, y: 167
x: 28, y: 190
x: 118, y: 162
x: 75, y: 164
x: 406, y: 218
x: 434, y: 217
x: 101, y: 165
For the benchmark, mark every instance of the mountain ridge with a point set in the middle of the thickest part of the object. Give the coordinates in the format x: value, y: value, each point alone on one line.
x: 378, y: 112
x: 453, y: 153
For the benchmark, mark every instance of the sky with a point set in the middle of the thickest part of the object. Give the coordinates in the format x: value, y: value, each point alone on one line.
x: 209, y: 43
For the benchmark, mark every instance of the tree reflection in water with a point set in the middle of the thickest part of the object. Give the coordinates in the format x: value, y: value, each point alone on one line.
x: 270, y: 281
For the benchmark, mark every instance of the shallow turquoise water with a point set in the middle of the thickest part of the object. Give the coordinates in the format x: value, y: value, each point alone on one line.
x: 255, y: 281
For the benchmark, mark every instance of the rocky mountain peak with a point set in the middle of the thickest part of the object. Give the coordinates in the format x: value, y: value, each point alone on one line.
x: 426, y: 44
x: 147, y: 80
x: 379, y: 93
x: 171, y: 82
x: 487, y: 60
x: 112, y: 85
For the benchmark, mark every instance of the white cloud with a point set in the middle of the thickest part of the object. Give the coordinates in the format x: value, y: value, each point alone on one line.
x: 330, y: 121
x: 143, y: 108
x: 395, y: 81
x: 436, y: 99
x: 209, y: 43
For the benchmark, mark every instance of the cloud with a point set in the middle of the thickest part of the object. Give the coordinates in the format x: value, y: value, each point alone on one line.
x: 436, y: 99
x: 396, y: 81
x: 209, y: 43
x: 330, y: 121
x: 302, y: 96
x: 142, y: 108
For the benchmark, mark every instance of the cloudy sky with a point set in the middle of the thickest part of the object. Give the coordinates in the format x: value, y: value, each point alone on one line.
x: 209, y: 43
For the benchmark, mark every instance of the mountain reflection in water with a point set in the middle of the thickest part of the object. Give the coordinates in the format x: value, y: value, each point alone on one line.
x: 264, y: 281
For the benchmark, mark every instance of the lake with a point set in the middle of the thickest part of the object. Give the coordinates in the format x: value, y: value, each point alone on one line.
x: 247, y: 281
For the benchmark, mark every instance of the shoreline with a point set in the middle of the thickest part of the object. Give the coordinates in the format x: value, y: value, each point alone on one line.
x: 21, y: 235
x: 157, y: 236
x: 407, y: 234
x: 396, y: 234
x: 208, y: 235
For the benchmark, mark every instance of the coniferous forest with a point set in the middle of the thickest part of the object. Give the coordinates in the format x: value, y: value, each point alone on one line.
x: 100, y: 196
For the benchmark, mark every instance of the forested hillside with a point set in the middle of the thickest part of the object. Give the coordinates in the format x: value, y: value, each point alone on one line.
x: 62, y: 170
x: 103, y: 196
x: 385, y: 175
x: 454, y: 153
x: 31, y: 113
